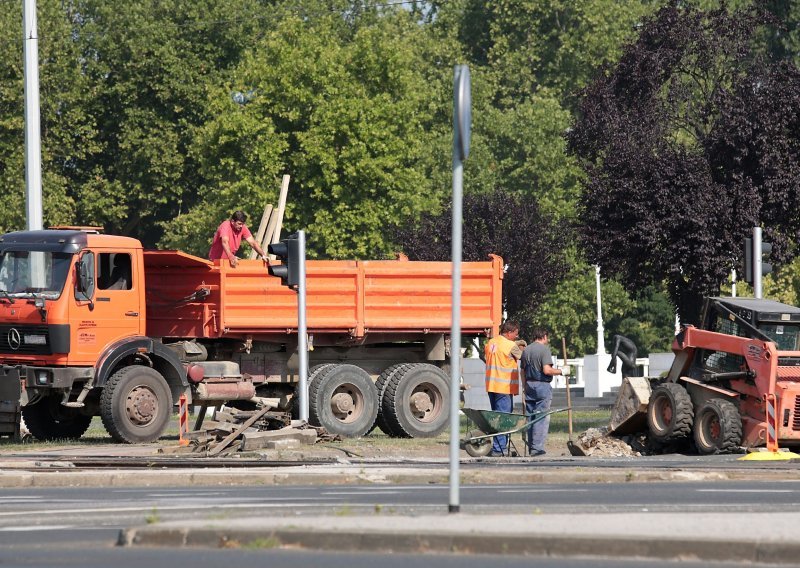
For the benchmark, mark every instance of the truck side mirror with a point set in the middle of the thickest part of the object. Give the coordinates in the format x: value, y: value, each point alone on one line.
x: 84, y: 272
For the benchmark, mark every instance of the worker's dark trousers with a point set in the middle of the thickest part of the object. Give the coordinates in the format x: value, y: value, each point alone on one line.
x: 538, y: 396
x: 501, y: 403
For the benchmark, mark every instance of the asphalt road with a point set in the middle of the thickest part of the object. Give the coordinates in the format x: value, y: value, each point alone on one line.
x: 79, y: 526
x: 68, y: 508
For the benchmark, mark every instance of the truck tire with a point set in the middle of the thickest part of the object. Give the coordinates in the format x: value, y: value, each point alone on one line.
x: 313, y: 373
x: 49, y: 420
x: 343, y: 400
x: 717, y: 427
x: 416, y: 402
x: 136, y: 405
x: 383, y: 381
x: 670, y: 413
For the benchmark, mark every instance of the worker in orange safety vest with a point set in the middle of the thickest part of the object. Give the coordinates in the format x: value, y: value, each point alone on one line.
x: 502, y: 355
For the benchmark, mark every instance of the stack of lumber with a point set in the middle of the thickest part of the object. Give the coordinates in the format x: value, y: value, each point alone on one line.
x: 232, y: 430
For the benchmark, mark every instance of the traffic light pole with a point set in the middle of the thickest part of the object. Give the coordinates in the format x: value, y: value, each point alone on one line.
x: 302, y: 332
x: 757, y: 266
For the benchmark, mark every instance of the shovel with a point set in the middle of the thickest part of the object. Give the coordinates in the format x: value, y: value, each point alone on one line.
x: 574, y: 449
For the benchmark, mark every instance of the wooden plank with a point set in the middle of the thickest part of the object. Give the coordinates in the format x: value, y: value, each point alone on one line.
x: 262, y: 228
x: 273, y: 222
x: 276, y: 235
x: 235, y: 434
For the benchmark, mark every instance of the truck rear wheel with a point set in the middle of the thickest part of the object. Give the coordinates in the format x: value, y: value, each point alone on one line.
x: 383, y: 381
x: 718, y: 427
x: 670, y: 413
x: 343, y: 400
x: 48, y: 420
x: 136, y: 405
x: 416, y: 402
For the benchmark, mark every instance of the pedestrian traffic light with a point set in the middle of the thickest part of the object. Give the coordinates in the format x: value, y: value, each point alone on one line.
x: 749, y: 275
x: 289, y: 253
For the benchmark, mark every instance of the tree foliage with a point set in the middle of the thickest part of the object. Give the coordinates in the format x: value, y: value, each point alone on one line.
x: 342, y: 106
x: 532, y: 246
x: 688, y: 142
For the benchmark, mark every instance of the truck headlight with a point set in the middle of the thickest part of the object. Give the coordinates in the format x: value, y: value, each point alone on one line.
x: 41, y: 377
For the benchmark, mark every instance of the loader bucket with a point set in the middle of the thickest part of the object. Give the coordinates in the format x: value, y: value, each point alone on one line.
x: 629, y: 414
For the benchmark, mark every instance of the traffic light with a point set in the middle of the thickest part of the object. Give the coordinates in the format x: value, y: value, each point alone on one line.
x: 749, y: 265
x: 289, y: 253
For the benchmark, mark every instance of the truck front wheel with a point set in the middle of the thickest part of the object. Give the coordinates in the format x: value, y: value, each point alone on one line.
x: 343, y: 400
x: 48, y: 419
x: 135, y: 405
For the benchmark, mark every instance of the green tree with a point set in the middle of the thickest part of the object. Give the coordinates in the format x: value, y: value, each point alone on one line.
x: 148, y: 64
x: 67, y: 127
x: 344, y: 106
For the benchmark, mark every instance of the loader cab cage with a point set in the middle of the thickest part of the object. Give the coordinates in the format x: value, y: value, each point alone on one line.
x: 752, y: 318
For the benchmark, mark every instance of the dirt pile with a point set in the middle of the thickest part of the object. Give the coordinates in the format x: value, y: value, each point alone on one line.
x: 597, y: 443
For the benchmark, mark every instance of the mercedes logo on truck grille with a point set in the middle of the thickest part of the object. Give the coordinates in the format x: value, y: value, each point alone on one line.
x: 14, y: 339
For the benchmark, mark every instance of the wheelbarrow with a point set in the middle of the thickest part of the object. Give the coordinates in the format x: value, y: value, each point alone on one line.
x: 491, y: 423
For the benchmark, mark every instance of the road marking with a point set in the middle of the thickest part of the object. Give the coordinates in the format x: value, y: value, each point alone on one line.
x: 35, y: 528
x: 367, y: 492
x: 542, y: 490
x: 158, y: 507
x: 746, y: 490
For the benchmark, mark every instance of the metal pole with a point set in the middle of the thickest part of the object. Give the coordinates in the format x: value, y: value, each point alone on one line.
x: 757, y: 262
x: 462, y: 119
x: 733, y: 283
x: 601, y: 342
x: 455, y: 337
x: 302, y: 332
x: 33, y: 142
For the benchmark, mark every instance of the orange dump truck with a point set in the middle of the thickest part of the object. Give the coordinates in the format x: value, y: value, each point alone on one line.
x: 92, y: 324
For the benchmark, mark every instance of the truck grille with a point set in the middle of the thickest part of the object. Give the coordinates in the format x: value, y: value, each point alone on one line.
x: 12, y: 340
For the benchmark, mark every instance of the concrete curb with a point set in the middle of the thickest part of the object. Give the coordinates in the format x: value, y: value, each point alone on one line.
x: 683, y: 549
x: 360, y: 474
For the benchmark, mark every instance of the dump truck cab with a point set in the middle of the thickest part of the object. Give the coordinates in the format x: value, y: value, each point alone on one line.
x: 72, y: 313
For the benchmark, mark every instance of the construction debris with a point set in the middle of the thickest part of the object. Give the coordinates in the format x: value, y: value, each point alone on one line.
x: 232, y: 430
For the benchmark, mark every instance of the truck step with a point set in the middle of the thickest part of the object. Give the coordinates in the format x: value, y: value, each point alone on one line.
x: 73, y: 404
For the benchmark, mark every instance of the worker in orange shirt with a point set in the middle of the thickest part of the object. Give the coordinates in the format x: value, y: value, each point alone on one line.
x: 502, y: 355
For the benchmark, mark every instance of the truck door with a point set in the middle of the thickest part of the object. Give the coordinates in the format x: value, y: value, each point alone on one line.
x: 111, y: 309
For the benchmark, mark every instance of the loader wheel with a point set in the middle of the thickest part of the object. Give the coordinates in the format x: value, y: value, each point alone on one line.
x: 670, y: 413
x: 136, y: 405
x: 343, y: 400
x: 383, y: 381
x: 416, y: 402
x: 477, y: 448
x: 48, y: 420
x: 718, y: 427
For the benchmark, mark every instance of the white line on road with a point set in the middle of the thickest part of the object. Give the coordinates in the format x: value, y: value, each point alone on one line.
x: 374, y: 492
x: 542, y: 490
x: 746, y: 490
x: 150, y: 507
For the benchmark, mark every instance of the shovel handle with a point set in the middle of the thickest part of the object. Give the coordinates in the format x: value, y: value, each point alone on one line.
x: 566, y: 381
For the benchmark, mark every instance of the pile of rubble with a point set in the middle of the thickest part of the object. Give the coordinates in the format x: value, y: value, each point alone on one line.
x: 232, y: 430
x: 598, y: 443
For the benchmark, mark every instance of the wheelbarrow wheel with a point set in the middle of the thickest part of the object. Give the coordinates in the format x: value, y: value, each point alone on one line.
x: 477, y: 448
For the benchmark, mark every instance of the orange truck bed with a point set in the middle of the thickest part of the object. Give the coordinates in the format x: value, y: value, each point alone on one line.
x: 353, y: 298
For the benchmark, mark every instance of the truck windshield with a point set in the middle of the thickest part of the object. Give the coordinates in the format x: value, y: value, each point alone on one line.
x: 33, y: 273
